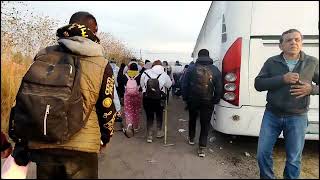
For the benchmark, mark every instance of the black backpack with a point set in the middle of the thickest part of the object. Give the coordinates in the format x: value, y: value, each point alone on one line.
x: 49, y: 104
x: 201, y: 83
x: 153, y: 90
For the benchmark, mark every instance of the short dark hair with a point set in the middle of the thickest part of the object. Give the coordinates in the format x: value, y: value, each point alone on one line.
x: 203, y: 53
x: 123, y: 65
x: 146, y: 61
x: 133, y: 66
x: 134, y: 59
x: 85, y: 18
x: 289, y: 31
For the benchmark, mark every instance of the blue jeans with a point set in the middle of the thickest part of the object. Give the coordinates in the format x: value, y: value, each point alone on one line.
x: 294, y: 130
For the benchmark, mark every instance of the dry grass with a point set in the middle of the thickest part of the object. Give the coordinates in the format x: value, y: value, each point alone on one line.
x: 11, y: 75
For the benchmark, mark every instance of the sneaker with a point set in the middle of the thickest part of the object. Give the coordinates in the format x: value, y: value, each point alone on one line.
x: 149, y: 139
x: 201, y: 152
x: 160, y: 134
x: 191, y: 141
x: 129, y: 132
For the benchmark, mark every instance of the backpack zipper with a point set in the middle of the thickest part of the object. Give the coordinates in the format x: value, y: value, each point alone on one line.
x: 45, y: 120
x: 70, y: 69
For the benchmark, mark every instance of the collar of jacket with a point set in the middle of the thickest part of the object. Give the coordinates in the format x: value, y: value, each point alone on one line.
x: 82, y: 46
x: 282, y: 60
x: 204, y: 61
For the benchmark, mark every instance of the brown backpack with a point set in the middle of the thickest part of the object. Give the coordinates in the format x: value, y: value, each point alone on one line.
x: 49, y: 104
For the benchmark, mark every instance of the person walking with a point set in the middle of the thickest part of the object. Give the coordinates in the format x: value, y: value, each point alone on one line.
x: 202, y: 89
x: 75, y: 155
x: 154, y: 82
x: 120, y: 81
x: 288, y: 79
x: 132, y: 100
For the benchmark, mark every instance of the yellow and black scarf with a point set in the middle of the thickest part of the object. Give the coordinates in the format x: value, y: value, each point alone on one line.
x: 75, y: 29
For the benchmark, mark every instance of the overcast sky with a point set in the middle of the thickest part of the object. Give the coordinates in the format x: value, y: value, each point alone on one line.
x: 163, y: 30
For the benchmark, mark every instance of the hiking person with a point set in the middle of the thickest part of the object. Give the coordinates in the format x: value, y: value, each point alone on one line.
x: 115, y: 70
x: 120, y: 88
x: 68, y: 118
x: 288, y: 79
x: 116, y: 99
x: 176, y: 74
x: 179, y: 93
x: 154, y: 82
x: 168, y: 70
x: 133, y: 60
x: 147, y: 65
x: 202, y: 89
x: 132, y: 100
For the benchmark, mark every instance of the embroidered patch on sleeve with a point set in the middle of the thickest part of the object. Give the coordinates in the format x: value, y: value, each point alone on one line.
x: 110, y: 124
x: 107, y: 102
x: 109, y: 86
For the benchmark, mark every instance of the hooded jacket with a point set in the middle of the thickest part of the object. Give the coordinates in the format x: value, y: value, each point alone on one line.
x: 96, y: 77
x: 164, y: 79
x: 217, y: 82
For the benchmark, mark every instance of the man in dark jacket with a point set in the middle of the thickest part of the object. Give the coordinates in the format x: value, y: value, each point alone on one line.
x: 202, y: 89
x: 287, y: 78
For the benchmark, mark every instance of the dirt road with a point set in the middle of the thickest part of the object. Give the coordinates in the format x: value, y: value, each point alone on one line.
x: 227, y: 156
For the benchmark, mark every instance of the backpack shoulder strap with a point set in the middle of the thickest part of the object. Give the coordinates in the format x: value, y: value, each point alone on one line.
x: 147, y: 74
x: 135, y: 77
x: 127, y: 76
x: 159, y: 82
x: 159, y: 76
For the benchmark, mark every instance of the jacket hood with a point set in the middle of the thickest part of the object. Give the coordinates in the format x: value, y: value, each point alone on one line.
x: 158, y: 69
x: 82, y: 46
x: 204, y: 61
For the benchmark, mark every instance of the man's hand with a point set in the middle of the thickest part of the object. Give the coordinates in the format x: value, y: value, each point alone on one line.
x: 304, y: 89
x: 291, y: 78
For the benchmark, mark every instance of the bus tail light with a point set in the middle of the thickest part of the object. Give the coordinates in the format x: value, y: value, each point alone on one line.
x: 231, y: 73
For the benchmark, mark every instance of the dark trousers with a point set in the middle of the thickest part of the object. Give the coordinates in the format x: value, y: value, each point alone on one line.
x: 152, y: 107
x: 65, y: 164
x: 205, y: 109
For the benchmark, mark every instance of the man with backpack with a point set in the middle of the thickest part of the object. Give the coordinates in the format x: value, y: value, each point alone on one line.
x: 64, y: 110
x: 154, y: 82
x: 202, y: 89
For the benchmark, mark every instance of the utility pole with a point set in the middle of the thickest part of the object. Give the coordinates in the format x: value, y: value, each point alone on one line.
x: 140, y: 55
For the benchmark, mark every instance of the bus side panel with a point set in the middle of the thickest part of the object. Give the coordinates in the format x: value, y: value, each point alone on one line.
x: 250, y: 120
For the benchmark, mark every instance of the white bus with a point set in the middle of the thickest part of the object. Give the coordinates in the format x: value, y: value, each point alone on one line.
x: 240, y: 37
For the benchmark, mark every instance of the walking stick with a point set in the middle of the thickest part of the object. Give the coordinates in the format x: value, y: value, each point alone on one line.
x: 165, y: 121
x: 166, y: 124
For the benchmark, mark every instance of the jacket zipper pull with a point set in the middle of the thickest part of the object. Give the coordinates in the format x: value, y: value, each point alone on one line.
x: 45, y: 120
x: 70, y: 69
